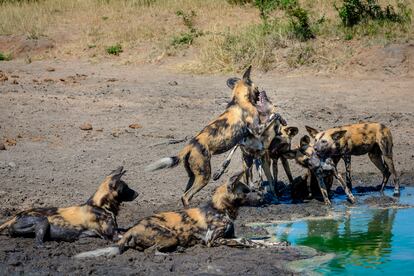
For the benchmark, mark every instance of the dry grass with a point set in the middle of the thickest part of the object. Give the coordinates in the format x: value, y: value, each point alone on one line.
x: 232, y: 36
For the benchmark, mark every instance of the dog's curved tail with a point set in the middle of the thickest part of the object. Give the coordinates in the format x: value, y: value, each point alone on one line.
x: 168, y: 162
x: 107, y: 252
x: 7, y: 224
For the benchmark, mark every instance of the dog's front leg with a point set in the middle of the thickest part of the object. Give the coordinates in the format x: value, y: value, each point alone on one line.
x: 224, y: 165
x: 347, y: 191
x: 347, y: 161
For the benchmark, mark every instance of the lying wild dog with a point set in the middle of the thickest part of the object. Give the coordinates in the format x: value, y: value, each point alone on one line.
x: 217, y: 137
x: 95, y: 218
x: 211, y: 225
x: 256, y: 148
x: 320, y: 173
x: 358, y: 139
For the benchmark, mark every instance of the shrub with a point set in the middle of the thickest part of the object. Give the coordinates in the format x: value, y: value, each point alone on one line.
x: 186, y: 38
x: 114, y: 49
x: 4, y: 56
x: 353, y: 12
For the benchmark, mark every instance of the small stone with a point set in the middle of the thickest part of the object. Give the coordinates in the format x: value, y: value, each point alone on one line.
x: 86, y: 126
x: 12, y: 165
x: 2, y: 146
x: 112, y: 80
x: 11, y: 142
x: 15, y: 82
x: 173, y: 83
x: 50, y: 69
x: 3, y: 76
x: 99, y: 129
x: 135, y: 126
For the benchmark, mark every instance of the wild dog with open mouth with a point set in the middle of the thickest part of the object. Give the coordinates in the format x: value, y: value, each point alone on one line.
x: 217, y: 137
x: 320, y: 173
x: 95, y: 218
x: 358, y: 139
x: 270, y: 145
x: 211, y: 225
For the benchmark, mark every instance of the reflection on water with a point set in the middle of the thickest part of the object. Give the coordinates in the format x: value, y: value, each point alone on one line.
x: 365, y: 240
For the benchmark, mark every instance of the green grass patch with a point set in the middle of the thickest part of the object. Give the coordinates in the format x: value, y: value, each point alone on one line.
x: 5, y: 57
x: 114, y: 49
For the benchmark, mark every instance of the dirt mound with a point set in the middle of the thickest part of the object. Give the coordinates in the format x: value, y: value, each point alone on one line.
x: 21, y: 45
x: 393, y: 59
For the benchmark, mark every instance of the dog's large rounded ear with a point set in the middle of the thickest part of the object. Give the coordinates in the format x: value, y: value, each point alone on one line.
x: 337, y: 135
x: 312, y: 132
x: 304, y: 141
x: 233, y: 180
x: 116, y: 175
x: 291, y: 131
x: 246, y: 75
x: 231, y: 83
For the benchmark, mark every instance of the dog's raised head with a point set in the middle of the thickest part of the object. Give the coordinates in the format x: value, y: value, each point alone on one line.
x: 112, y: 192
x: 326, y: 142
x: 244, y: 90
x: 231, y: 195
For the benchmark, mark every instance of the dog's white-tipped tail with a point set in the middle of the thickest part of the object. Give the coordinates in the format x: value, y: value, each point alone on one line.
x: 7, y: 224
x: 108, y: 252
x: 163, y: 163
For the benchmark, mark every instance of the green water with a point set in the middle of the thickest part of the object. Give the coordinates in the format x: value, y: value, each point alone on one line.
x: 365, y: 240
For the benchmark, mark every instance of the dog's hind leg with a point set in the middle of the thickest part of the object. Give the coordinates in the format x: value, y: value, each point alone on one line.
x: 248, y: 170
x: 347, y: 161
x: 390, y: 164
x: 41, y: 229
x: 28, y: 225
x: 270, y: 180
x: 376, y: 158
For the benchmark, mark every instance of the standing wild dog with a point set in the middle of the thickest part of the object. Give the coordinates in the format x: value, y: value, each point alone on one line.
x: 211, y: 225
x: 358, y: 139
x: 320, y: 173
x: 217, y: 137
x: 95, y: 218
x: 258, y: 148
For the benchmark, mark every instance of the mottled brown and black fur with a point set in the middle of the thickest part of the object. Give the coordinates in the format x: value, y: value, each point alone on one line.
x: 374, y: 139
x: 95, y: 218
x: 210, y: 225
x: 319, y: 173
x: 219, y: 136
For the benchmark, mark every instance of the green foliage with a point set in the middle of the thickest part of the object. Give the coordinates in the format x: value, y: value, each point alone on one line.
x: 299, y: 21
x: 4, y: 56
x: 114, y: 49
x: 353, y: 12
x: 186, y: 38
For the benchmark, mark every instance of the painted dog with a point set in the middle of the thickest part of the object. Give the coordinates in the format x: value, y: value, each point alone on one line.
x: 95, y: 218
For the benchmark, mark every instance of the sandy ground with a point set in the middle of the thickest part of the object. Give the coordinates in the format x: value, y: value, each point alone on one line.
x: 55, y: 163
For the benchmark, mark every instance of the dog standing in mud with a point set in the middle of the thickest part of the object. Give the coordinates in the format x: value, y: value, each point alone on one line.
x: 373, y: 139
x: 217, y: 137
x: 95, y: 218
x: 211, y: 225
x: 269, y: 146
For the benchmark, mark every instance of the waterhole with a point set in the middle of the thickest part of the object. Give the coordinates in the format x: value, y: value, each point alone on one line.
x: 375, y: 236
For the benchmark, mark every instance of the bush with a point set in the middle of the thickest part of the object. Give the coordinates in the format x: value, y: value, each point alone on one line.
x: 186, y: 38
x: 114, y: 49
x: 5, y: 56
x: 353, y: 12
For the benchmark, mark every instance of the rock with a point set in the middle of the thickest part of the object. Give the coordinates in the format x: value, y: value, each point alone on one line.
x: 112, y: 80
x: 135, y: 126
x: 50, y: 69
x: 12, y: 165
x: 15, y: 82
x: 116, y: 132
x: 2, y: 146
x: 3, y: 76
x: 86, y: 126
x: 173, y: 83
x: 11, y: 142
x: 99, y: 129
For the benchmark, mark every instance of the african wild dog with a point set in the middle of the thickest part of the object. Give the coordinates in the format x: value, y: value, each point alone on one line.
x: 217, y: 137
x: 320, y: 173
x: 211, y: 225
x: 95, y: 218
x: 268, y: 148
x: 358, y: 139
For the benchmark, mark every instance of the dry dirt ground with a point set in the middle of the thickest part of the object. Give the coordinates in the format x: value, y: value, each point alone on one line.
x: 50, y: 161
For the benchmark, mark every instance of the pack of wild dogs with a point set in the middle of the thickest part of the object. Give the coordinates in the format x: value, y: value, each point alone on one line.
x: 249, y: 122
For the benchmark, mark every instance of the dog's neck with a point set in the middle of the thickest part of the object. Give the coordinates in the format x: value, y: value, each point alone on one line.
x: 222, y: 203
x: 103, y: 199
